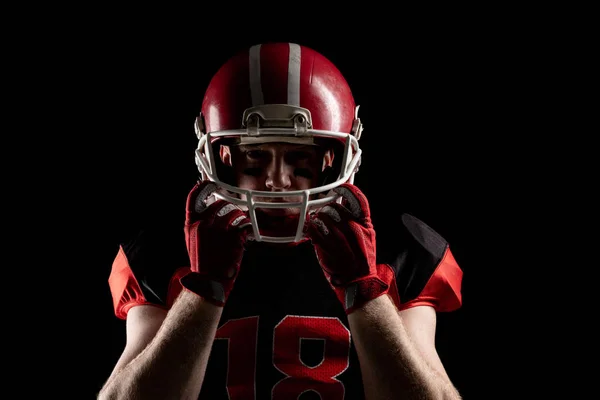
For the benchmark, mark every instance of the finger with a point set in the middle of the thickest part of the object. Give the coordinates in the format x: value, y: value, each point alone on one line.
x: 336, y: 222
x: 335, y: 213
x: 316, y: 228
x: 331, y: 210
x: 330, y: 240
x: 228, y: 215
x: 326, y: 224
x: 355, y: 200
x: 204, y: 191
x: 196, y: 199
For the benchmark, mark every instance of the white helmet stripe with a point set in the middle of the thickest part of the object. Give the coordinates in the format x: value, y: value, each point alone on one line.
x: 255, y: 83
x: 294, y: 75
x: 293, y: 89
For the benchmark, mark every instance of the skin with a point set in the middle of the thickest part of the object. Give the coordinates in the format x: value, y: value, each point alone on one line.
x: 277, y: 167
x: 166, y: 352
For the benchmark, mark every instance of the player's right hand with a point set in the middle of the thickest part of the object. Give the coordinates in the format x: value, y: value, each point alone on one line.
x: 215, y: 236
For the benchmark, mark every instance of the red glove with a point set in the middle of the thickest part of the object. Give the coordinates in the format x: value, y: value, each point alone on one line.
x: 215, y: 235
x: 344, y: 241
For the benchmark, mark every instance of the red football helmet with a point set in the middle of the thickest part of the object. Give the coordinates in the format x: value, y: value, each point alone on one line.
x: 278, y: 92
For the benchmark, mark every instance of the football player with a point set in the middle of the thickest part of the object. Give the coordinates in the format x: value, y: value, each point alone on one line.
x: 273, y: 287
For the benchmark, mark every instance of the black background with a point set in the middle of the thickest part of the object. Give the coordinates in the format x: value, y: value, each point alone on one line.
x: 440, y: 102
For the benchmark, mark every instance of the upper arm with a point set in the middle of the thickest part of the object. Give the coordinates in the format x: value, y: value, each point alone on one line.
x: 144, y: 281
x: 420, y: 323
x: 427, y: 279
x: 142, y: 324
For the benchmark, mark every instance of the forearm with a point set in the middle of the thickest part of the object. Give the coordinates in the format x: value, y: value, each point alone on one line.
x: 391, y: 365
x: 172, y: 366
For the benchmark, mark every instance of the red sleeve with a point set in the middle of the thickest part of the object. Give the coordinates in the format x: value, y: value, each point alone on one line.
x: 124, y: 287
x: 443, y: 289
x: 147, y: 268
x: 425, y: 270
x: 126, y: 290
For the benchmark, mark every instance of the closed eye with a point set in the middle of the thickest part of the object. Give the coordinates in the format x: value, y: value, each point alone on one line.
x: 252, y: 171
x: 303, y: 172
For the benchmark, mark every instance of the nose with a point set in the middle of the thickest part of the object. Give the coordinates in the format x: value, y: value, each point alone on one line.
x: 279, y: 175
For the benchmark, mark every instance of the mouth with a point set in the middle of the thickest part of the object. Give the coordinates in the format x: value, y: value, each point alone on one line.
x: 285, y: 211
x: 271, y: 212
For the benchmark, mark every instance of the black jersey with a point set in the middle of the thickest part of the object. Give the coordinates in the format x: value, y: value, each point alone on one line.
x: 283, y: 332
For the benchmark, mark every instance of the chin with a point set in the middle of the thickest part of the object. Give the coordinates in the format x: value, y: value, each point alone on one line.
x: 278, y: 221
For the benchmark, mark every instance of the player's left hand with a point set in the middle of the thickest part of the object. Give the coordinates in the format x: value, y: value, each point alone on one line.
x: 344, y: 241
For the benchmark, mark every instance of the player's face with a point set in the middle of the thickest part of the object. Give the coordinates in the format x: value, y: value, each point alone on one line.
x: 276, y: 167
